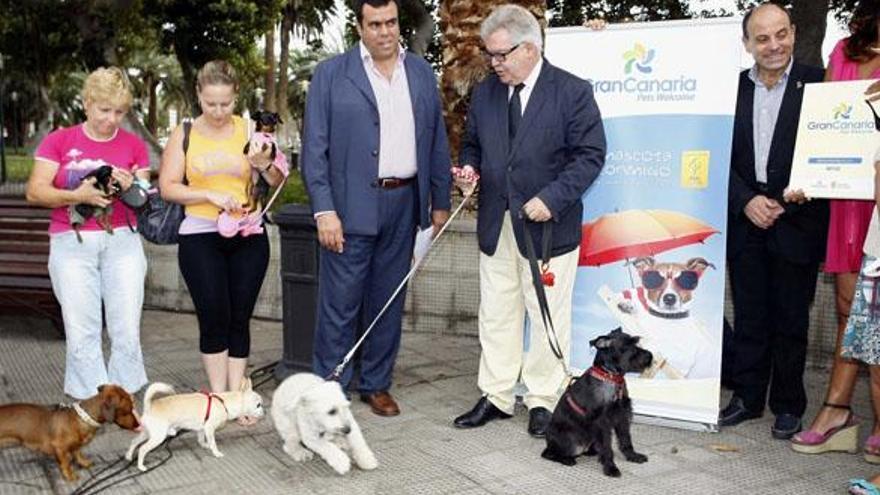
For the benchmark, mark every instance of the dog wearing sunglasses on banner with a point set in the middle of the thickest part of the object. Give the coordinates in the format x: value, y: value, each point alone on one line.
x: 658, y: 311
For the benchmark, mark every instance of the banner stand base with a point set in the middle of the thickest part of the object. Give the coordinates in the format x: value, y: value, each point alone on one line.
x: 675, y: 423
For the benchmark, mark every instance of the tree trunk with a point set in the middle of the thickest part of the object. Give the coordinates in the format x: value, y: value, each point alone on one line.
x: 269, y: 95
x: 810, y: 18
x: 463, y: 64
x: 153, y: 107
x: 283, y: 63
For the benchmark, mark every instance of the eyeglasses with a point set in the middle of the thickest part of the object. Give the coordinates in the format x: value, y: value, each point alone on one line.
x: 686, y: 280
x: 500, y: 57
x: 876, y: 117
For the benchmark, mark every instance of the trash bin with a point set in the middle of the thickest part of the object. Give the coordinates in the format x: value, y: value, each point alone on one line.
x: 299, y: 287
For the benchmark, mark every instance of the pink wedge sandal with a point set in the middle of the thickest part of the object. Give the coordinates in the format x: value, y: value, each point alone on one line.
x: 843, y: 438
x: 872, y: 449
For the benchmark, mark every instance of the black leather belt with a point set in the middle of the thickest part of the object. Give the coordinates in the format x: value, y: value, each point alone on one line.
x: 391, y: 182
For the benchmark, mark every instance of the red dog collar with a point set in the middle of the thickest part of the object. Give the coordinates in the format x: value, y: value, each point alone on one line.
x: 615, y: 379
x: 210, y: 397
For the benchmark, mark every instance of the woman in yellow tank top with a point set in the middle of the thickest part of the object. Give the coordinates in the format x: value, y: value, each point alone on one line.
x: 223, y: 274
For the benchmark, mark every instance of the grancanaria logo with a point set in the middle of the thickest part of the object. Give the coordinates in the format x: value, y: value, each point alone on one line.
x: 842, y: 111
x: 842, y: 121
x: 642, y: 81
x: 640, y: 57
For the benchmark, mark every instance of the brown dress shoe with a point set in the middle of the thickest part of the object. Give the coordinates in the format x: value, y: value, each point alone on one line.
x: 381, y: 403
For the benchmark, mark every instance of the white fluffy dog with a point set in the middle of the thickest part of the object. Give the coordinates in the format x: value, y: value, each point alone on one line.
x: 312, y: 415
x: 201, y: 412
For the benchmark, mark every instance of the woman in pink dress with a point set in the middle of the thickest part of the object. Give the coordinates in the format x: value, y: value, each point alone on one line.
x: 855, y: 57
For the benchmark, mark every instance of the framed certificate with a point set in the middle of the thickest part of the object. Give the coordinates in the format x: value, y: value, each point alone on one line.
x: 836, y: 142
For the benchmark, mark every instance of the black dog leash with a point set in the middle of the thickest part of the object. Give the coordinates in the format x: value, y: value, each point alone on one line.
x: 538, y: 283
x: 90, y: 487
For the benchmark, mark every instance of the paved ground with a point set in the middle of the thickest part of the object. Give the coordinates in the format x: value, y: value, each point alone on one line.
x: 419, y: 452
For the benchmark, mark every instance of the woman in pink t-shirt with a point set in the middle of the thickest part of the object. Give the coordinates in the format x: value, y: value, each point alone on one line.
x: 94, y: 254
x: 855, y: 57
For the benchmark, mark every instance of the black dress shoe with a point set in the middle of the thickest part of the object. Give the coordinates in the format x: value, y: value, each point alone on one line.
x: 539, y: 419
x: 481, y: 414
x: 735, y: 413
x: 785, y: 426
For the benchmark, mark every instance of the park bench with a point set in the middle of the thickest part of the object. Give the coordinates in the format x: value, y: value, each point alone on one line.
x: 25, y: 287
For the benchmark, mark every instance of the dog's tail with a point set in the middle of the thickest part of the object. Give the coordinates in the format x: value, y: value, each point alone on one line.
x: 153, y: 389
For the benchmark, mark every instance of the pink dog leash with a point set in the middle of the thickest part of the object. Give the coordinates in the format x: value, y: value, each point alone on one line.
x: 228, y: 226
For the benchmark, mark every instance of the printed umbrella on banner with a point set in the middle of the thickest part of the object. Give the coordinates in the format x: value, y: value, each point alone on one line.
x: 633, y: 233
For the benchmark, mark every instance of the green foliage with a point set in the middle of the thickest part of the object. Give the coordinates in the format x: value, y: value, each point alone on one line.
x: 294, y: 192
x: 574, y: 12
x: 18, y: 167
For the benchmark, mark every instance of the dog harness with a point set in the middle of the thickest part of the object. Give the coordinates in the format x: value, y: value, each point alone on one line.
x: 211, y: 397
x: 603, y: 375
x: 83, y: 415
x: 640, y: 294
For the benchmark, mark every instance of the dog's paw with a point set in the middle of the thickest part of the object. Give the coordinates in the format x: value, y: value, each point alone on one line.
x: 298, y: 453
x: 367, y: 461
x: 341, y: 464
x: 636, y: 457
x: 611, y: 470
x: 142, y: 467
x: 217, y: 453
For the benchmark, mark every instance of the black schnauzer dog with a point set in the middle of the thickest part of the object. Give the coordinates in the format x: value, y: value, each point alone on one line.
x: 597, y: 403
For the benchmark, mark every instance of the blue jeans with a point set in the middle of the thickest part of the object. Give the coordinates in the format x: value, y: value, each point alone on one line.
x: 104, y: 267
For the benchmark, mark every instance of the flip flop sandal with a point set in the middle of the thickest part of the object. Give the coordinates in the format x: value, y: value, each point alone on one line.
x: 862, y: 487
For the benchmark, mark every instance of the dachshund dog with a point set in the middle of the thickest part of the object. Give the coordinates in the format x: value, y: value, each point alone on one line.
x: 61, y: 431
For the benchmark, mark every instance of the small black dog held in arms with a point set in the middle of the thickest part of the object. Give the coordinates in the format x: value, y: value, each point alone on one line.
x: 597, y: 403
x: 81, y: 212
x: 265, y: 124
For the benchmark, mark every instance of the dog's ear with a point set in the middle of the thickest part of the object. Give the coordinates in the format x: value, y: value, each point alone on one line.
x: 698, y: 264
x: 278, y: 119
x: 101, y: 388
x: 257, y: 115
x: 108, y: 406
x: 643, y: 263
x: 602, y: 342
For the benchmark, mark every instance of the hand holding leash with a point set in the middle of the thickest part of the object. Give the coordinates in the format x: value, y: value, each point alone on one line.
x: 465, y: 179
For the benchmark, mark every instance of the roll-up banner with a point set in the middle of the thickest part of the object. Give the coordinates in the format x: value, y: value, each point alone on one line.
x: 653, y: 248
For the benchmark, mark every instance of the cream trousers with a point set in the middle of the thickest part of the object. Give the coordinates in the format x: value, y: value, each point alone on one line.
x: 506, y: 295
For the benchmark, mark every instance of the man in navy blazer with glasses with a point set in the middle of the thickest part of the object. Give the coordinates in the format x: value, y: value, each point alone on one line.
x: 535, y: 135
x: 375, y: 161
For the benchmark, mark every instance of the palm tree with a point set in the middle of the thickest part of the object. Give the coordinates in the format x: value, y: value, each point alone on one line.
x: 463, y: 64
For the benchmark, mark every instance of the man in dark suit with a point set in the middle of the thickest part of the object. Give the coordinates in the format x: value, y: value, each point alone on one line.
x: 535, y: 135
x: 773, y: 246
x: 375, y: 162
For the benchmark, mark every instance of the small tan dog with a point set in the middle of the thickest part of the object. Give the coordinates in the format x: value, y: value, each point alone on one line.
x: 200, y: 411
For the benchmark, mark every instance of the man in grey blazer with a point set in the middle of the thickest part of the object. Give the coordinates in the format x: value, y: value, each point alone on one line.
x: 535, y: 135
x: 375, y: 161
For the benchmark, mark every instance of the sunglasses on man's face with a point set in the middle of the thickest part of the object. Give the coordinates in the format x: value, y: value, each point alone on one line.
x: 686, y: 280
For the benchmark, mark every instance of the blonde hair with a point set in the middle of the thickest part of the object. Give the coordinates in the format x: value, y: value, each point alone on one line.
x: 217, y: 72
x: 107, y: 85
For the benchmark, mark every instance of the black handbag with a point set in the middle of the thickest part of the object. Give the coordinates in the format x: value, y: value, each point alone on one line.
x: 159, y: 221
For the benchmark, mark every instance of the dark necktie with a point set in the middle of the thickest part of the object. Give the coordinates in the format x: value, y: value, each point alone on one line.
x: 514, y: 111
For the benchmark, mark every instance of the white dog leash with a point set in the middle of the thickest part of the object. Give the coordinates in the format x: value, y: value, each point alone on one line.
x: 337, y: 372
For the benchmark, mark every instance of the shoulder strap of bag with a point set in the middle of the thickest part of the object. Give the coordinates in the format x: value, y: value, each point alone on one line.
x: 187, y: 127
